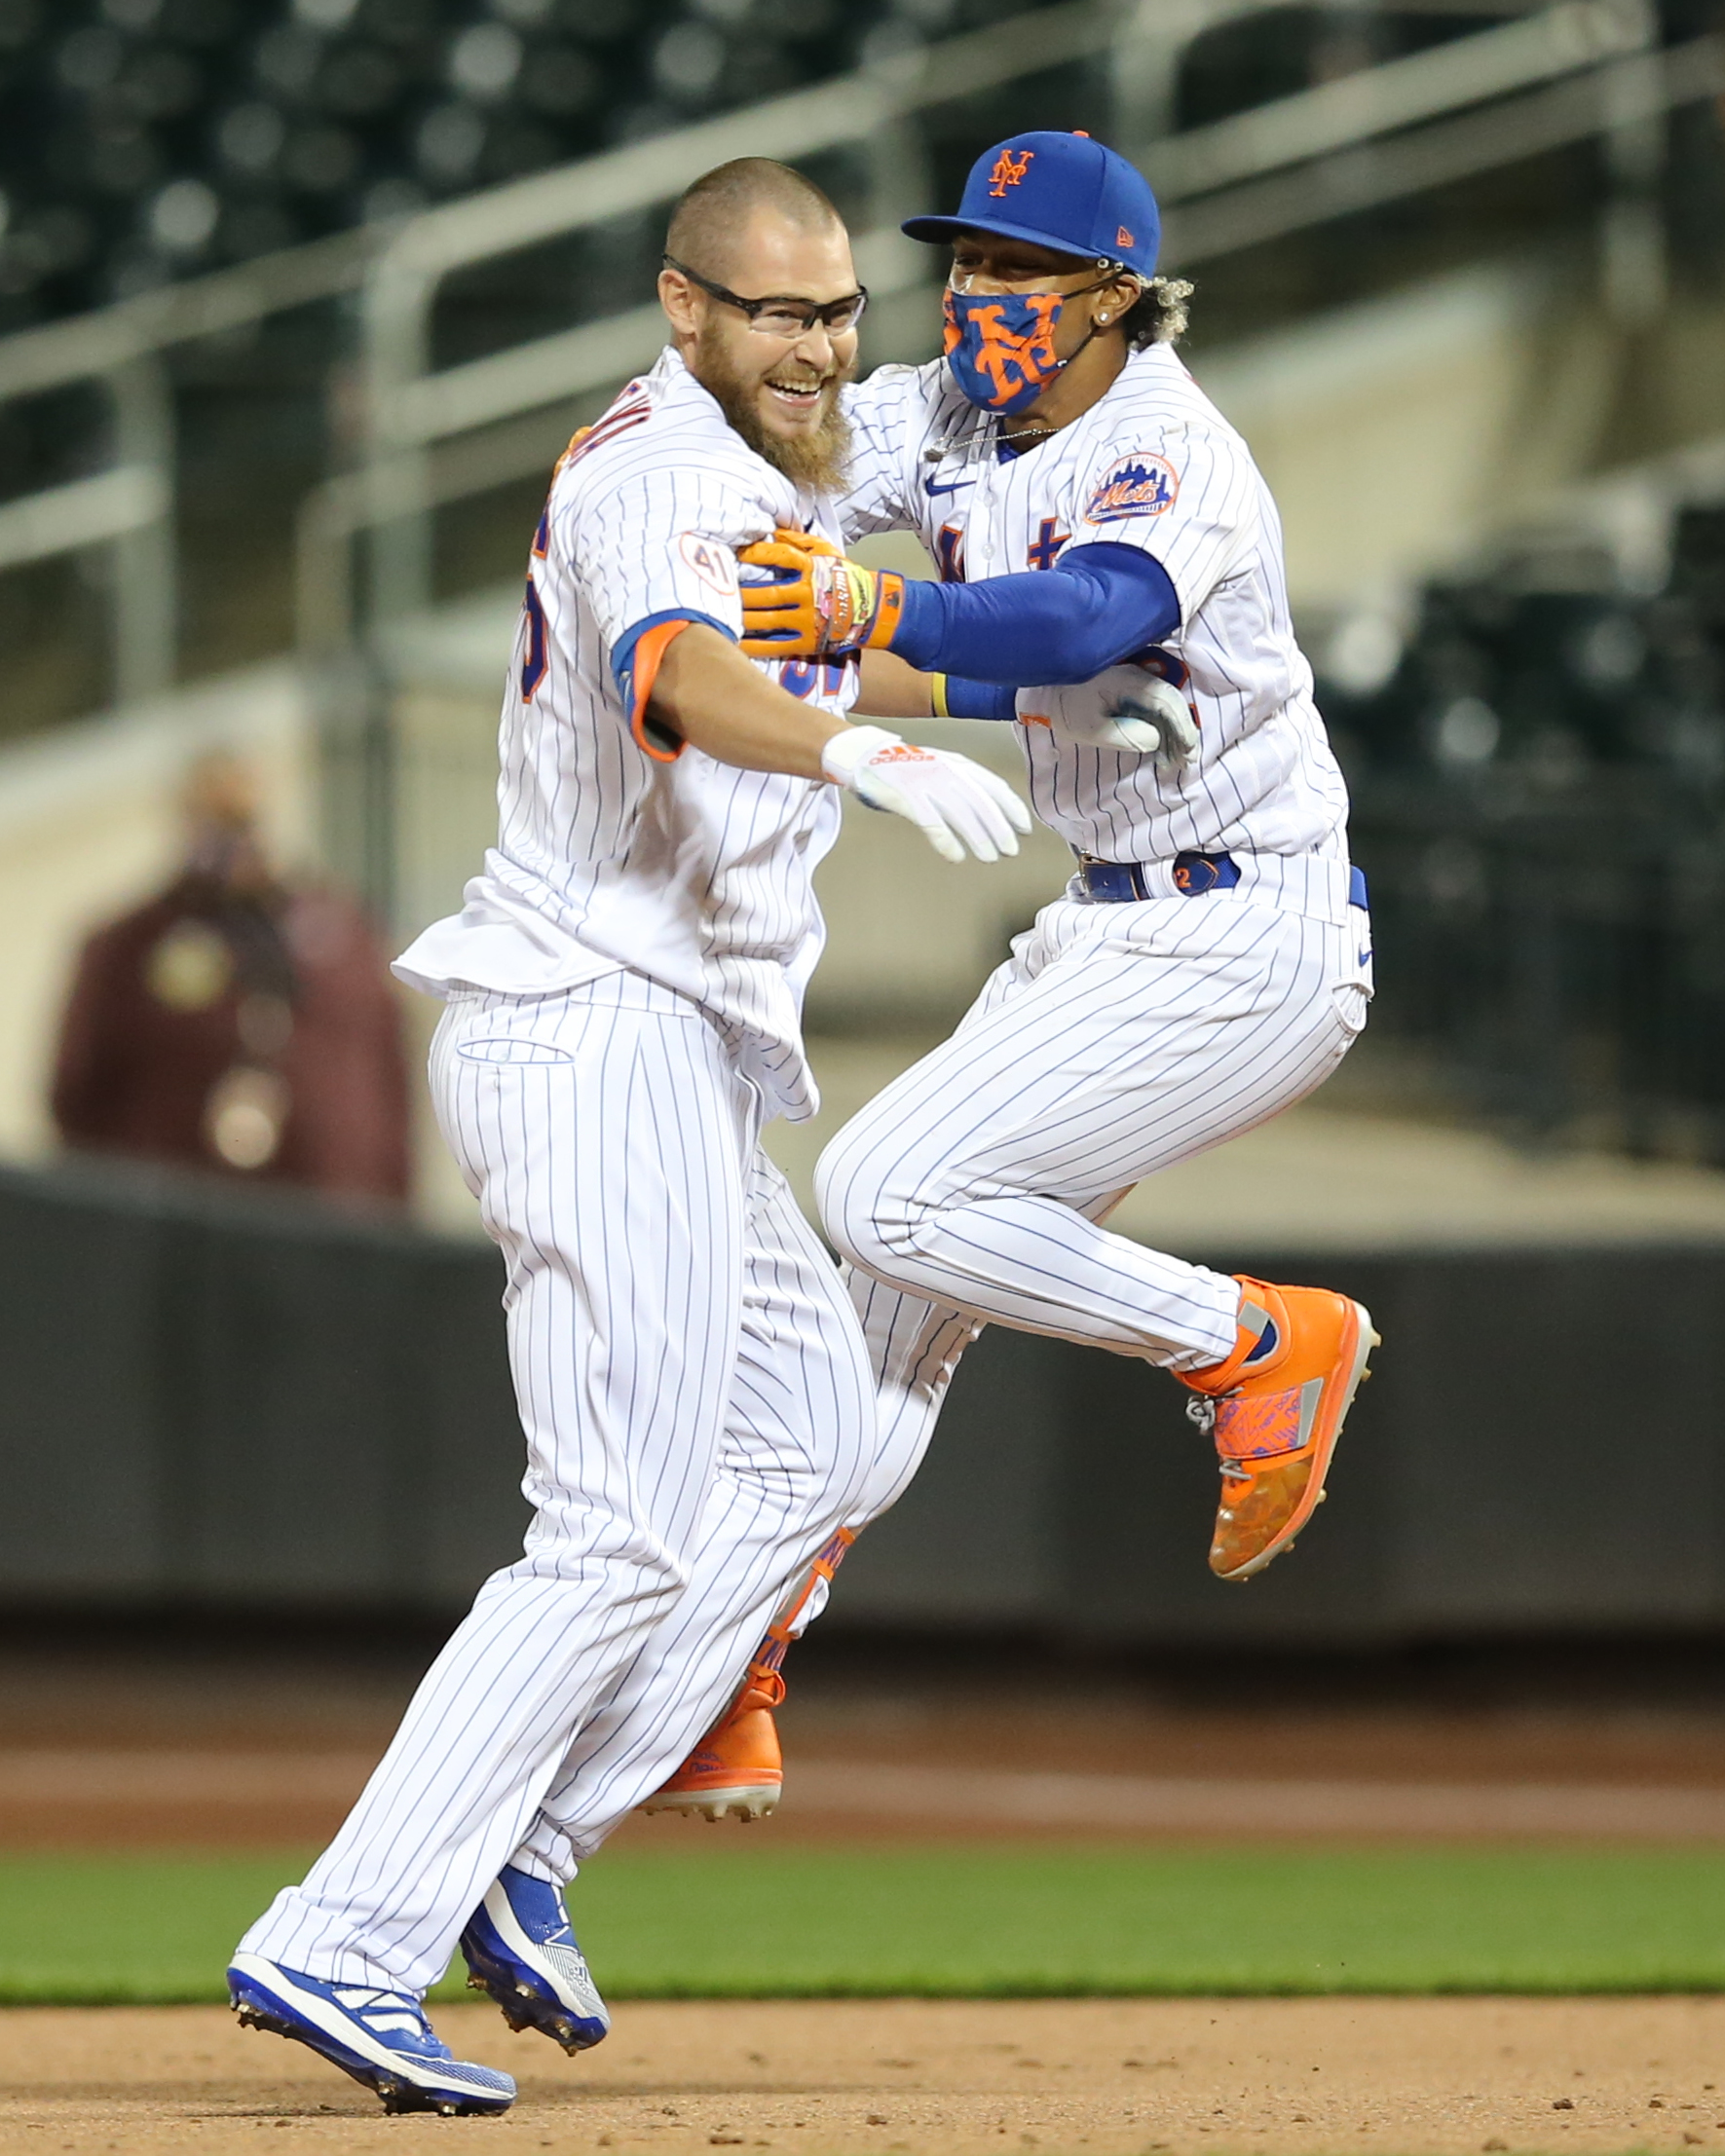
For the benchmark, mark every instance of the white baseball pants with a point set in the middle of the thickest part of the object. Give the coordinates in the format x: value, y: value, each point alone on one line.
x: 1115, y: 1041
x: 699, y: 1419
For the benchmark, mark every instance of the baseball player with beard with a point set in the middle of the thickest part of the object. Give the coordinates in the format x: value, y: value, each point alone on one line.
x: 622, y: 993
x: 1111, y: 583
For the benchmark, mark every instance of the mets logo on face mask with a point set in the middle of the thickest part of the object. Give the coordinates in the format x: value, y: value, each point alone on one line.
x: 1008, y: 171
x: 1146, y: 485
x: 1011, y: 362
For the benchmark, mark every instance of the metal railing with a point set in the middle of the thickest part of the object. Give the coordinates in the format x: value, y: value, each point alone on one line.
x: 121, y: 348
x: 1556, y: 74
x: 434, y: 435
x: 1572, y: 70
x: 1396, y: 94
x: 130, y: 506
x: 410, y: 407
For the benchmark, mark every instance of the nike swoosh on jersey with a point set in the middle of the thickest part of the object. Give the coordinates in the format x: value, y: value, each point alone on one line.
x: 929, y: 487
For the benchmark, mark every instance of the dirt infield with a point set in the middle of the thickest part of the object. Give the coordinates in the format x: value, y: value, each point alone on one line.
x: 1303, y: 2076
x: 108, y: 1750
x: 101, y: 1753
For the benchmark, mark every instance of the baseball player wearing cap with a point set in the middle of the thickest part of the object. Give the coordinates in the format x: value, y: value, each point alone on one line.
x: 1102, y: 537
x: 622, y: 993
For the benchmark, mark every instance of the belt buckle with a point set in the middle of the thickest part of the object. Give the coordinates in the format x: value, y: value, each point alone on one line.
x: 1113, y: 882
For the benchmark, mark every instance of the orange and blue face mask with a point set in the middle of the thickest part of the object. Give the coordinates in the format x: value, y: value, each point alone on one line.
x: 1000, y: 346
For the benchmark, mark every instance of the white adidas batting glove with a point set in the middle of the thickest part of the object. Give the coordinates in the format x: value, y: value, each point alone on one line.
x: 1127, y: 707
x: 953, y: 802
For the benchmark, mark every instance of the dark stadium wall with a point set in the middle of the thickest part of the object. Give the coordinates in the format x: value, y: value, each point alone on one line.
x: 264, y: 1406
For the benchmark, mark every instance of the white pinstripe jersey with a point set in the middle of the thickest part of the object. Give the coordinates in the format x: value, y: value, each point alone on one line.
x: 1154, y: 464
x: 609, y: 853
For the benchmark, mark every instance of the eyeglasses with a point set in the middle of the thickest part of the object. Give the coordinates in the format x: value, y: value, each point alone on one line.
x: 781, y: 316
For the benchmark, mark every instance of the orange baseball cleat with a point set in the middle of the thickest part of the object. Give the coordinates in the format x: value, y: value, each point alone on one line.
x: 736, y: 1771
x: 1276, y: 1407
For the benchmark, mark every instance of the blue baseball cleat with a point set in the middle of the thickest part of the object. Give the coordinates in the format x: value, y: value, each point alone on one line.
x: 382, y: 2038
x: 521, y: 1952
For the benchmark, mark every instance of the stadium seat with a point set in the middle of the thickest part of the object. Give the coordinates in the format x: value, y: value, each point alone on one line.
x: 142, y: 140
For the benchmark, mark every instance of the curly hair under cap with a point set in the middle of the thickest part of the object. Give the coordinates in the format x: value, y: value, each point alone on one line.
x: 1158, y: 315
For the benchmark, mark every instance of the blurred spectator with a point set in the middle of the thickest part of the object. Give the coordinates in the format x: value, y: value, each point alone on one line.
x: 237, y: 1023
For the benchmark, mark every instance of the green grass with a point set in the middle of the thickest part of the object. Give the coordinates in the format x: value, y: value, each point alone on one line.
x: 750, y: 1920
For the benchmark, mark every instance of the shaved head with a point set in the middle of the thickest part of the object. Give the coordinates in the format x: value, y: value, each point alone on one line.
x: 713, y: 215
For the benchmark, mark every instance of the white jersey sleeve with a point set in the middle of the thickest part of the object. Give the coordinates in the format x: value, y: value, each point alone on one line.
x: 1187, y: 496
x: 658, y: 547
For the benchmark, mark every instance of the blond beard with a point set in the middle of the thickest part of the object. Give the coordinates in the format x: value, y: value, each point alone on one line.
x: 818, y: 460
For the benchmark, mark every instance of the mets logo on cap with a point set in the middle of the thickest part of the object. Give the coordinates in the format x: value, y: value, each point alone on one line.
x: 1142, y: 485
x: 1010, y: 166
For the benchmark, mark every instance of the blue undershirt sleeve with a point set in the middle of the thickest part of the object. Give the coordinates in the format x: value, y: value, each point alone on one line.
x: 968, y: 699
x: 1097, y: 606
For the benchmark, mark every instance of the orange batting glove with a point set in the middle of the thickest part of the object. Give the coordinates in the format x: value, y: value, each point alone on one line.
x: 814, y: 603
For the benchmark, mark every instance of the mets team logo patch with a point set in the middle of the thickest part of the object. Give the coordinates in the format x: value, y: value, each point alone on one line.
x: 1146, y: 485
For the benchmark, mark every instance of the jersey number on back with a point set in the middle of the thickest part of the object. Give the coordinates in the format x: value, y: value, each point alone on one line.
x: 532, y: 665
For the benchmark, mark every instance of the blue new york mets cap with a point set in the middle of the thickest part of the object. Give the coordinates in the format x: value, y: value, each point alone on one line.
x: 1062, y: 191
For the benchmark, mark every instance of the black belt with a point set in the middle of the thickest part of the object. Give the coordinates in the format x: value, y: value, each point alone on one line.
x: 1118, y: 883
